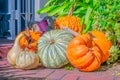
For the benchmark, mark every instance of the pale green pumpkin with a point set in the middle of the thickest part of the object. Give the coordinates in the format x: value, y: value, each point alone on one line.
x: 52, y: 48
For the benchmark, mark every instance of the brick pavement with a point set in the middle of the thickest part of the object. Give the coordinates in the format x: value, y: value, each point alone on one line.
x: 8, y: 72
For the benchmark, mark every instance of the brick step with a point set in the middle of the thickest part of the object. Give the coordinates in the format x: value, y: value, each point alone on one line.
x: 42, y: 73
x: 4, y: 48
x: 8, y: 72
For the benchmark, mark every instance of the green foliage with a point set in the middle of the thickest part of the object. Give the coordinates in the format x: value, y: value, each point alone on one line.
x: 115, y: 54
x: 113, y: 34
x: 46, y: 9
x: 107, y: 13
x: 83, y: 9
x: 106, y: 18
x: 68, y: 67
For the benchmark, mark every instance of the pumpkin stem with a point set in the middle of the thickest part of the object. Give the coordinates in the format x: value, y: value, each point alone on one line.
x: 69, y: 30
x: 28, y: 36
x: 92, y: 36
x: 51, y: 41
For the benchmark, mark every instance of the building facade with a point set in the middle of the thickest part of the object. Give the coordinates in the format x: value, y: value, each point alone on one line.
x: 16, y: 14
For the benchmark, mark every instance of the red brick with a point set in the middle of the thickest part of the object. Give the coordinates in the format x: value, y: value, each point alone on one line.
x: 118, y: 78
x: 26, y: 72
x: 4, y: 48
x: 11, y: 70
x: 40, y: 73
x: 71, y: 77
x: 97, y: 78
x: 3, y: 62
x: 44, y: 72
x: 76, y: 76
x: 5, y: 69
x: 104, y: 75
x: 58, y: 74
x: 3, y: 51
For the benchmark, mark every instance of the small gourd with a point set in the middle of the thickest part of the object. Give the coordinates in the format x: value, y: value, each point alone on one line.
x: 25, y: 40
x: 27, y: 60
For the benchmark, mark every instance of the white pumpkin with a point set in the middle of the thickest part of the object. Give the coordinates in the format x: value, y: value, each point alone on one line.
x: 27, y: 60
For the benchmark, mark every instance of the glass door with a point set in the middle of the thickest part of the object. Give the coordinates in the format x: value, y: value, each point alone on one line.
x: 14, y: 16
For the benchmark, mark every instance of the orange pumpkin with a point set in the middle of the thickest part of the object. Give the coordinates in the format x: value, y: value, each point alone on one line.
x: 103, y: 43
x: 68, y: 21
x: 29, y: 40
x: 86, y: 52
x: 83, y: 53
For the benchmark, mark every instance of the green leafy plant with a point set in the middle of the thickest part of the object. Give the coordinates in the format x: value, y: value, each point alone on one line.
x: 106, y: 14
x: 113, y: 34
x: 106, y: 18
x: 68, y: 67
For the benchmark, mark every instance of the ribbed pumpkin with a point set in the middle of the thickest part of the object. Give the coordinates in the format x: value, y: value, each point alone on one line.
x: 52, y: 48
x: 103, y: 43
x: 68, y: 21
x: 27, y: 60
x: 84, y: 54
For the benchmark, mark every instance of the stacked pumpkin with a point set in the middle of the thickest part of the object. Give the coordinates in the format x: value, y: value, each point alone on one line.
x: 23, y: 53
